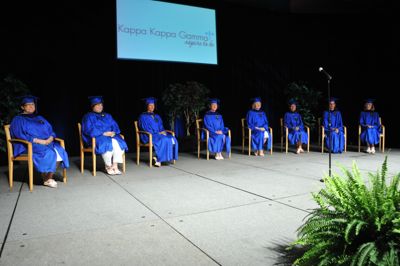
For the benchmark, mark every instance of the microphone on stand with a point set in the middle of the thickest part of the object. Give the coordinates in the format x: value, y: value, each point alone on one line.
x: 326, y: 73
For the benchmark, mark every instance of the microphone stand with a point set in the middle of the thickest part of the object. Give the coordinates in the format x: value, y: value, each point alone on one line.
x: 329, y: 128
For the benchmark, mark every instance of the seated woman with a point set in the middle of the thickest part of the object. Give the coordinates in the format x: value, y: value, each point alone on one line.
x: 292, y: 120
x: 101, y: 126
x: 258, y: 123
x: 165, y: 145
x: 334, y: 132
x: 370, y: 126
x: 218, y: 133
x: 47, y: 153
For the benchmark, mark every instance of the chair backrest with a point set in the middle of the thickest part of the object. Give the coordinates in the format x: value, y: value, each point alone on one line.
x: 199, y: 124
x: 137, y: 132
x: 80, y: 136
x: 8, y: 137
x: 136, y: 127
x: 244, y: 124
x: 281, y: 123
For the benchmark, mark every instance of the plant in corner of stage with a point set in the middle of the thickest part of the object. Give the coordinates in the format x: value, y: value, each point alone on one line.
x: 10, y: 89
x: 354, y: 223
x: 185, y: 99
x: 308, y: 99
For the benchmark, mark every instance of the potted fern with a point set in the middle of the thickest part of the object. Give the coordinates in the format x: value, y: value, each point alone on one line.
x: 354, y: 224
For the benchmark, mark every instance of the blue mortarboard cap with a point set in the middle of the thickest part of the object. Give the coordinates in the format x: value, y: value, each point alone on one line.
x: 150, y: 100
x: 369, y: 100
x: 95, y: 100
x: 256, y: 100
x: 292, y: 101
x: 333, y: 99
x: 214, y: 100
x: 28, y: 99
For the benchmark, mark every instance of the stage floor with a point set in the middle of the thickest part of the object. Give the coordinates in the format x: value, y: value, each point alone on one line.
x: 196, y: 212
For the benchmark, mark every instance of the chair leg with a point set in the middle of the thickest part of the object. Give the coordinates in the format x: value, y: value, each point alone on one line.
x: 64, y: 175
x: 249, y: 145
x: 383, y: 144
x: 198, y: 149
x: 137, y: 155
x: 243, y: 140
x: 82, y: 161
x: 151, y: 156
x: 272, y: 144
x: 286, y: 144
x: 94, y: 163
x: 10, y: 173
x: 30, y: 170
x: 359, y: 143
x: 123, y: 163
x: 322, y: 144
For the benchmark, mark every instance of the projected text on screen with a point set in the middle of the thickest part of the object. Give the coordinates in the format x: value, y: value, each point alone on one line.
x: 153, y: 30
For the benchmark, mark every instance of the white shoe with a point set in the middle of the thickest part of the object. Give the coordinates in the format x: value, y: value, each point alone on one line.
x: 301, y: 150
x: 298, y: 151
x: 373, y: 150
x: 156, y: 163
x: 369, y: 150
x: 50, y: 183
x: 117, y: 172
x: 256, y: 153
x: 110, y: 170
x: 217, y: 157
x: 261, y: 154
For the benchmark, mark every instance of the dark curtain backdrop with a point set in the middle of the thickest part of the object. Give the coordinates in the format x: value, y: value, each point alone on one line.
x: 65, y: 51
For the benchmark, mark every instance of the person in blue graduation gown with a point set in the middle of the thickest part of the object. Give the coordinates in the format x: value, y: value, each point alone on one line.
x: 102, y: 126
x: 258, y: 123
x: 370, y: 126
x: 293, y: 121
x: 32, y: 127
x: 218, y: 133
x: 336, y: 130
x: 165, y: 145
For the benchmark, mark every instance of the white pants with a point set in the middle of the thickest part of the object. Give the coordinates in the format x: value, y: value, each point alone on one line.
x: 59, y: 159
x: 113, y: 156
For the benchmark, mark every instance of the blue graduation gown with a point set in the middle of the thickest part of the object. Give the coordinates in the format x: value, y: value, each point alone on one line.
x: 291, y: 121
x: 28, y: 127
x: 213, y: 122
x: 255, y: 119
x: 370, y: 135
x: 337, y: 138
x: 94, y: 125
x: 165, y: 150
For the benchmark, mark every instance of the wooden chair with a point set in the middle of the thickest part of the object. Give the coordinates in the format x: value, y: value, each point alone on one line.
x: 322, y: 136
x: 92, y: 150
x: 199, y: 129
x: 285, y: 134
x: 149, y: 144
x: 246, y: 134
x: 381, y: 137
x: 24, y: 157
